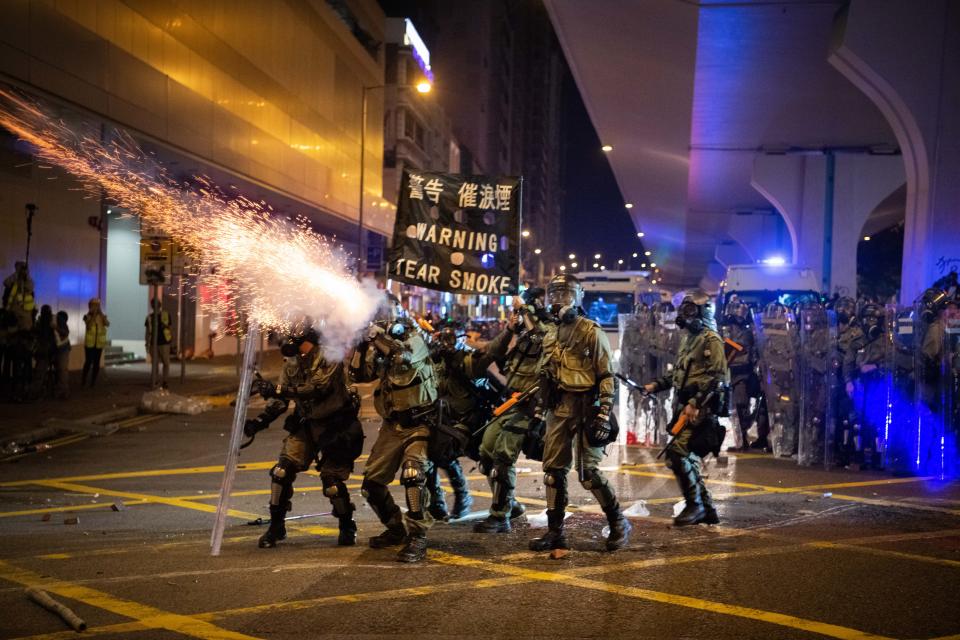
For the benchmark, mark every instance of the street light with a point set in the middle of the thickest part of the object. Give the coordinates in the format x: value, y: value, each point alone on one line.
x: 563, y: 267
x: 525, y: 233
x: 572, y: 256
x: 635, y: 254
x: 537, y: 251
x: 647, y: 253
x: 607, y: 148
x: 423, y: 86
x: 596, y: 256
x: 629, y: 205
x: 573, y: 265
x: 640, y: 234
x: 620, y: 261
x: 596, y: 264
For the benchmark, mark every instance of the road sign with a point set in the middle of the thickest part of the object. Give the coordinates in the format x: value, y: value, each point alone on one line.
x: 156, y: 260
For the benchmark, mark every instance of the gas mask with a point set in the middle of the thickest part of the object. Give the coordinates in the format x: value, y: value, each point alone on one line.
x: 688, y: 316
x: 845, y: 308
x: 564, y: 295
x: 292, y: 345
x: 872, y: 322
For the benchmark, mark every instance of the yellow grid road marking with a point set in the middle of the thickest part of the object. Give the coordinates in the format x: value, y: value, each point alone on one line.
x: 519, y: 579
x: 145, y: 614
x: 794, y: 622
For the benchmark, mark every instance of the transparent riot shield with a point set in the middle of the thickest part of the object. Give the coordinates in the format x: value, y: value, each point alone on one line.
x: 778, y: 344
x: 936, y: 363
x: 818, y: 386
x: 630, y: 365
x: 901, y: 427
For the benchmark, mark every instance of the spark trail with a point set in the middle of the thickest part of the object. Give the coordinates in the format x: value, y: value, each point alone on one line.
x: 274, y: 270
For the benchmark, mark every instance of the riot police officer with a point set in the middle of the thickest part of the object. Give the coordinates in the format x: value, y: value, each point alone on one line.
x: 871, y: 363
x: 850, y: 339
x: 503, y: 438
x: 577, y: 395
x: 405, y: 400
x: 465, y: 408
x: 743, y: 365
x: 699, y: 380
x: 323, y: 424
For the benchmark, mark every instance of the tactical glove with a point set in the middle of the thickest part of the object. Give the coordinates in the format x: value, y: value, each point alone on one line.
x: 600, y: 429
x: 253, y: 426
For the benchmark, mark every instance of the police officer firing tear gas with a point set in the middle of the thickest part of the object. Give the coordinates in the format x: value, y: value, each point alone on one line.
x: 323, y: 428
x: 406, y: 400
x: 700, y: 380
x: 577, y: 395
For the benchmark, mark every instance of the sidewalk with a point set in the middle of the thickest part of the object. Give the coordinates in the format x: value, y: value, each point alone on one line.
x: 122, y: 386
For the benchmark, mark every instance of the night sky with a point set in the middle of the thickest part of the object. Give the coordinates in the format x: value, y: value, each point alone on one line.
x: 594, y: 218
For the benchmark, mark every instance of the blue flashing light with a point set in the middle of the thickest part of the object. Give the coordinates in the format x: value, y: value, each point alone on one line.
x: 774, y: 261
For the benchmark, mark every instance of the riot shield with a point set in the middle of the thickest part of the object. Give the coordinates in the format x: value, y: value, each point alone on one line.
x: 778, y: 343
x: 818, y: 386
x: 631, y: 366
x: 936, y: 363
x: 900, y: 430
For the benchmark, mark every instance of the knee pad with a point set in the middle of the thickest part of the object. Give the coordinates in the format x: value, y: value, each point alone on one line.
x: 333, y: 487
x: 555, y: 479
x: 412, y: 474
x: 284, y: 472
x: 501, y: 473
x: 592, y: 480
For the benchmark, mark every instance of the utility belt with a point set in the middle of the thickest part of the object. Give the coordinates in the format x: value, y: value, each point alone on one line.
x: 412, y: 417
x: 718, y: 403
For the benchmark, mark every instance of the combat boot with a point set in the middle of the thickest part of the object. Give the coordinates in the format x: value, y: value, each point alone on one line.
x: 517, y: 510
x: 277, y: 530
x: 462, y: 500
x: 438, y: 511
x: 348, y: 532
x: 392, y: 536
x: 414, y: 550
x: 620, y: 529
x: 554, y: 538
x: 710, y: 515
x: 688, y: 479
x: 493, y: 524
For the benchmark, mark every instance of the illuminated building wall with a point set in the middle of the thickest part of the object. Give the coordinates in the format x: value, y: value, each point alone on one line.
x: 265, y: 96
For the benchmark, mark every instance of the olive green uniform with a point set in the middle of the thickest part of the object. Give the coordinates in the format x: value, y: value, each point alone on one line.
x: 323, y: 427
x: 405, y: 399
x: 743, y: 376
x: 700, y: 365
x: 463, y: 412
x: 576, y: 361
x: 503, y: 437
x: 850, y: 339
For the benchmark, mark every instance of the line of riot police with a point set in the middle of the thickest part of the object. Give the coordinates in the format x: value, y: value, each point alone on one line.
x: 839, y: 383
x: 550, y: 397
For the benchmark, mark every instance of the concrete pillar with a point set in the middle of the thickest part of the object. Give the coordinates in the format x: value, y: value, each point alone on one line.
x: 796, y: 186
x: 861, y: 183
x: 905, y: 56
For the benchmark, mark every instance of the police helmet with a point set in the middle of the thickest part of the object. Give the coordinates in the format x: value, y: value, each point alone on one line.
x: 564, y: 296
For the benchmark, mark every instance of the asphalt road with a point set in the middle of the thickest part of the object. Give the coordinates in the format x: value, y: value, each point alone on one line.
x: 800, y: 553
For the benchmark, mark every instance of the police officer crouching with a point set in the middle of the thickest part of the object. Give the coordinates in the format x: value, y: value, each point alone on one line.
x: 323, y: 425
x: 577, y: 394
x: 700, y: 380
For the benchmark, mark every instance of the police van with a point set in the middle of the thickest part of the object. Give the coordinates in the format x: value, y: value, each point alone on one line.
x: 607, y: 294
x: 760, y: 284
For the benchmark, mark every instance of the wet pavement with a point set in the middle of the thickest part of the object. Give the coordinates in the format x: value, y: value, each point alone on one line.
x: 800, y: 552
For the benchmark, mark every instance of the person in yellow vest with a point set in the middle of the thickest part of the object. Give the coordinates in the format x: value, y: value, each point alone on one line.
x: 164, y: 339
x: 94, y: 341
x: 18, y: 292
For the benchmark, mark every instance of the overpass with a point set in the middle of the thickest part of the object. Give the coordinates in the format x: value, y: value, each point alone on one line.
x: 747, y: 129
